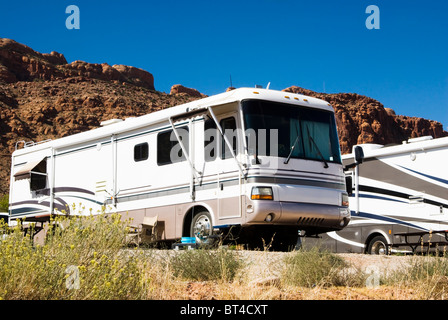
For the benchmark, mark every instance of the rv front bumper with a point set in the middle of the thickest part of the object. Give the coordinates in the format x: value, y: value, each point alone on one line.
x: 313, y: 217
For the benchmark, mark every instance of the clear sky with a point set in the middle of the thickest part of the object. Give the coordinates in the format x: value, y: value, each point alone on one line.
x: 322, y: 45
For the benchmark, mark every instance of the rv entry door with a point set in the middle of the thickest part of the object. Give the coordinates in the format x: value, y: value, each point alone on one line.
x: 228, y: 175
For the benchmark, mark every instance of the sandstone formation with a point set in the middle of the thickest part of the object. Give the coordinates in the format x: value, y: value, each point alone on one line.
x: 179, y: 89
x: 21, y: 63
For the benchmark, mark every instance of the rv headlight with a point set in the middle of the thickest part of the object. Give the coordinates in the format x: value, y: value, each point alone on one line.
x: 344, y: 201
x: 262, y: 193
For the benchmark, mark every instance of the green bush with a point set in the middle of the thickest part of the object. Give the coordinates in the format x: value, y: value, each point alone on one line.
x: 317, y: 267
x: 427, y: 275
x: 204, y: 265
x: 81, y: 259
x: 4, y: 203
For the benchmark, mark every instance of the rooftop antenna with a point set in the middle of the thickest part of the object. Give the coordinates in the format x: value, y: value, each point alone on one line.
x: 231, y: 81
x: 267, y: 87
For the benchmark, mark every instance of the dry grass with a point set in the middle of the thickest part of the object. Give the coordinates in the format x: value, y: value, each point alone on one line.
x: 87, y: 258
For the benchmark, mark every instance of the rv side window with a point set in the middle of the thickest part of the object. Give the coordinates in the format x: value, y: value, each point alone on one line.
x: 228, y: 126
x: 169, y: 149
x: 210, y: 136
x: 38, y: 179
x: 141, y: 152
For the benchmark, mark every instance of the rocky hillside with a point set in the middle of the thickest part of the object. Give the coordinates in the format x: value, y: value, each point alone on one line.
x: 44, y: 97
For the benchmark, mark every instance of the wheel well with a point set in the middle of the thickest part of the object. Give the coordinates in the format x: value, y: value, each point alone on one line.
x: 370, y: 237
x: 189, y: 217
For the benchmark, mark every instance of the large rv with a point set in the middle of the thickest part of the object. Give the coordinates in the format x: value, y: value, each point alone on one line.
x: 398, y: 198
x: 253, y: 160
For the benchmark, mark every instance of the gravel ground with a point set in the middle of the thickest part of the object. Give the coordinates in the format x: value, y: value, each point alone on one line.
x: 269, y: 263
x: 380, y: 262
x: 261, y: 279
x: 266, y: 266
x: 262, y: 266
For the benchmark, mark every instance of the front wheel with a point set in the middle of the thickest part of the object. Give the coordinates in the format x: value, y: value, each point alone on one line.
x: 202, y: 229
x: 378, y: 245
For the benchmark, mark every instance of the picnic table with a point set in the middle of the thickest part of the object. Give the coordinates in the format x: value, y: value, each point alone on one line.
x: 409, y: 238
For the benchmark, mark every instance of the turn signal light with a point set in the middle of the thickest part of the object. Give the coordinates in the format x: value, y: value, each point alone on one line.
x: 345, y: 202
x: 261, y: 197
x: 262, y: 193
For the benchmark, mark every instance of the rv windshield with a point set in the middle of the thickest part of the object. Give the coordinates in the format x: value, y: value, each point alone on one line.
x: 303, y: 132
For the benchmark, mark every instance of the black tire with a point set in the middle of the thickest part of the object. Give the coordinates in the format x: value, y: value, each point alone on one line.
x: 287, y: 243
x: 202, y: 229
x: 378, y: 245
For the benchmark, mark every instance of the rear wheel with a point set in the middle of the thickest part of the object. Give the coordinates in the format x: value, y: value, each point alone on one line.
x: 202, y: 229
x: 378, y: 245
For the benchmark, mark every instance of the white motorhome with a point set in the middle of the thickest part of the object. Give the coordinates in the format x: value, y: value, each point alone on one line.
x: 274, y: 165
x: 398, y: 198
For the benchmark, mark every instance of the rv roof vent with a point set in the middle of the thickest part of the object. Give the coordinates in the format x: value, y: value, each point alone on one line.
x: 109, y: 122
x: 424, y: 138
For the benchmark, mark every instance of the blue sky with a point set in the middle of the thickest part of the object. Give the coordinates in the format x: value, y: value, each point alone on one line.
x: 319, y: 45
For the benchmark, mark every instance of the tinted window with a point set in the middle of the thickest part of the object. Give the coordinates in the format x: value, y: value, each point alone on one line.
x: 302, y: 132
x: 228, y: 126
x: 210, y: 140
x: 141, y: 152
x: 168, y: 148
x: 39, y: 176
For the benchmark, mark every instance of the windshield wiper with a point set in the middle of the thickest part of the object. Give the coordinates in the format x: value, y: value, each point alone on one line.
x: 317, y: 148
x: 291, y: 150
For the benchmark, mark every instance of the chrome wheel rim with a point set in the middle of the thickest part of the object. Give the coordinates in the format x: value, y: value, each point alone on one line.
x: 202, y: 228
x: 379, y: 248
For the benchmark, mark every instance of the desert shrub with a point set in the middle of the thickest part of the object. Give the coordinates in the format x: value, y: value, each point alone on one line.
x: 203, y: 264
x: 81, y: 259
x: 4, y: 203
x: 427, y: 275
x: 318, y: 267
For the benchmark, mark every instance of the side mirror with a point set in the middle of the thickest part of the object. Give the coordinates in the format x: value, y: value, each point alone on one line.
x: 349, y: 184
x: 359, y: 154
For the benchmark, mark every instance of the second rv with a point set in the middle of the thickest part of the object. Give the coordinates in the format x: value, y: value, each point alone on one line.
x: 398, y: 199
